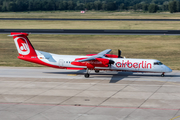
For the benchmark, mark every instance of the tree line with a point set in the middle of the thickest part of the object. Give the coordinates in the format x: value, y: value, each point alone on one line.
x: 150, y: 6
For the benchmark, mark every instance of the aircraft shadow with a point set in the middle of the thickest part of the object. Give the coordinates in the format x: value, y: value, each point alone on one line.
x: 80, y: 72
x: 119, y: 76
x: 115, y: 77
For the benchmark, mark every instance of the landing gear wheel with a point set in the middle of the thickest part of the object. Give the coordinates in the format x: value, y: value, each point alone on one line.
x: 96, y: 71
x: 86, y: 75
x: 162, y: 75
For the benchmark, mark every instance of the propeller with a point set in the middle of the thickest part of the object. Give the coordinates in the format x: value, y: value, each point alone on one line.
x: 111, y: 61
x: 119, y: 54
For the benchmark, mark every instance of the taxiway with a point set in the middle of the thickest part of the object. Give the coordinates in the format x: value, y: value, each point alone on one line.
x: 55, y: 94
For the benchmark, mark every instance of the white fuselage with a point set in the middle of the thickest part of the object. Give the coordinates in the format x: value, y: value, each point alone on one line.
x: 121, y: 64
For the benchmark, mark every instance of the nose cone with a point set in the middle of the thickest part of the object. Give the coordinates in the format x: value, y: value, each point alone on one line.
x: 168, y: 69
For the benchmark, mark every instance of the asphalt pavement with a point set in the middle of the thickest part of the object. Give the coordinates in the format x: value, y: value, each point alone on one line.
x: 28, y: 93
x: 92, y: 32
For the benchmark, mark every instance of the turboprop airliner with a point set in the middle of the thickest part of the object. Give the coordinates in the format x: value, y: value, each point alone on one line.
x: 97, y: 62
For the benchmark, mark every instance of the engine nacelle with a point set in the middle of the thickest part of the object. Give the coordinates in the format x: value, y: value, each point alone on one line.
x: 105, y: 61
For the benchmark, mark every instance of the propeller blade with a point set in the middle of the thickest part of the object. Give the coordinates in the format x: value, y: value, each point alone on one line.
x: 111, y: 62
x: 119, y: 53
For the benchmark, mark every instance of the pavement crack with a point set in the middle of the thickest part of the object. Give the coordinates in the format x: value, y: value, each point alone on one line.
x: 78, y: 93
x: 113, y: 94
x: 151, y: 95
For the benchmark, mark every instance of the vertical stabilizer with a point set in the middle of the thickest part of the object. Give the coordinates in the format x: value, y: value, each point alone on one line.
x: 23, y: 45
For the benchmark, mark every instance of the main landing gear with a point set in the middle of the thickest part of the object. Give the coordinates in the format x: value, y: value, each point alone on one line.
x: 162, y: 75
x: 87, y: 74
x: 96, y: 71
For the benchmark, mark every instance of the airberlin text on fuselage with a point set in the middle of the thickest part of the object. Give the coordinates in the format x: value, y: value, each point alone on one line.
x: 142, y: 64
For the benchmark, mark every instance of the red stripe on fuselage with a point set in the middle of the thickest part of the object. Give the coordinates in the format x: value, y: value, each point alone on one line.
x: 38, y: 61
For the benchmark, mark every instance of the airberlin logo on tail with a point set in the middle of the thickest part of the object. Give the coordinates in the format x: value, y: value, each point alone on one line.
x: 22, y: 45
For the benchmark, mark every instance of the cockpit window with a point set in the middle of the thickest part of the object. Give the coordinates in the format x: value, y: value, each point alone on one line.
x: 158, y: 63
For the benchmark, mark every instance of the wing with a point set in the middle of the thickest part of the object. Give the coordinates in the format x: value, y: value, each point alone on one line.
x: 105, y: 52
x: 99, y: 55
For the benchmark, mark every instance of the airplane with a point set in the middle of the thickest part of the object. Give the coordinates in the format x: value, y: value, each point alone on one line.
x: 97, y: 62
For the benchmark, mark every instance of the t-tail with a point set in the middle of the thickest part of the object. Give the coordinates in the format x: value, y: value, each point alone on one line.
x: 26, y: 50
x: 24, y: 47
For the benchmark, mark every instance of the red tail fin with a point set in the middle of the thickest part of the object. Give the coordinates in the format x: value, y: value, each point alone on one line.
x: 23, y: 45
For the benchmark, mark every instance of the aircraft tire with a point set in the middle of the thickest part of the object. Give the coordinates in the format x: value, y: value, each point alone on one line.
x: 86, y: 75
x: 162, y: 75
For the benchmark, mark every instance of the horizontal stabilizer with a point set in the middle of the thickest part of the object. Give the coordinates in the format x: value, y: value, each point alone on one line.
x: 18, y: 34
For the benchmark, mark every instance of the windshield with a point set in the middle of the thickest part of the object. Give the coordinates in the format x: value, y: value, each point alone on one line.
x: 158, y: 63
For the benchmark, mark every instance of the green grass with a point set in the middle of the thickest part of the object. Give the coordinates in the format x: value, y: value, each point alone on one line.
x: 164, y: 48
x: 90, y: 14
x: 127, y: 25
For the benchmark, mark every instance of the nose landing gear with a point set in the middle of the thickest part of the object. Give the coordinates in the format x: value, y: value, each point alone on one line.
x: 162, y: 75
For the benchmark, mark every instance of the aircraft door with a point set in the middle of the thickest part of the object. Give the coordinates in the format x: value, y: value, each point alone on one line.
x: 61, y: 61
